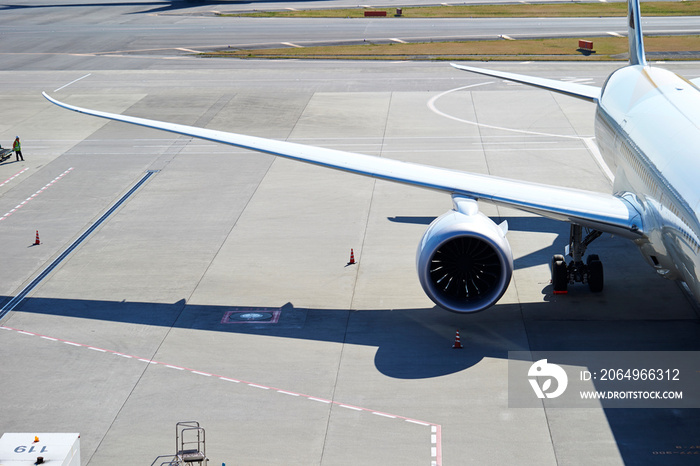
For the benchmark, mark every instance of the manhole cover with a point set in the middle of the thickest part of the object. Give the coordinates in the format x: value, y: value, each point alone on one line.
x: 243, y: 316
x: 252, y: 316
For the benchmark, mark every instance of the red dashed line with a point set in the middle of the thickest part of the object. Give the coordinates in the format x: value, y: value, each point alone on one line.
x: 24, y: 202
x: 13, y: 177
x: 436, y: 429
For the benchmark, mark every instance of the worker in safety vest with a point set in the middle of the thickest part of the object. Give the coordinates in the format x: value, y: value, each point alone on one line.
x: 17, y: 147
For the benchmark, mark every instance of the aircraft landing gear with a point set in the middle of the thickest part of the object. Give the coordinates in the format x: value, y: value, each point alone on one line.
x: 590, y: 272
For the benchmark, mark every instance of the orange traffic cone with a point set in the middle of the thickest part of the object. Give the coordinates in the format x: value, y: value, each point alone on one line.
x: 458, y: 343
x: 36, y: 241
x: 352, y: 257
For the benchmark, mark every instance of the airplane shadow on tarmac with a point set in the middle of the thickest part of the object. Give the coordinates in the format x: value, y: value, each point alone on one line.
x: 417, y: 344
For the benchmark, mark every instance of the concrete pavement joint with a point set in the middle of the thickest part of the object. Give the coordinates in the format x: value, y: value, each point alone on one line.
x: 435, y: 429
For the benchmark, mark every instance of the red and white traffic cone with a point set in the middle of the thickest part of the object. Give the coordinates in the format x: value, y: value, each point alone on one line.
x: 458, y: 343
x: 36, y: 241
x: 352, y: 257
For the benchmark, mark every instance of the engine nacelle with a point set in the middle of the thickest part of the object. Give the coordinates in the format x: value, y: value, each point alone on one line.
x: 464, y: 260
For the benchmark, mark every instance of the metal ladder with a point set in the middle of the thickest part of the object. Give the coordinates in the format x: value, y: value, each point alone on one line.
x: 190, y: 443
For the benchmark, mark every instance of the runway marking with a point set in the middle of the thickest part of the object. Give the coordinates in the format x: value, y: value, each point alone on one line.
x: 598, y: 157
x: 435, y: 429
x: 433, y: 108
x: 188, y: 50
x: 15, y: 301
x: 23, y: 203
x: 319, y: 400
x: 258, y: 386
x: 394, y: 39
x: 230, y: 380
x: 289, y: 44
x: 13, y: 177
x: 350, y: 407
x: 74, y: 81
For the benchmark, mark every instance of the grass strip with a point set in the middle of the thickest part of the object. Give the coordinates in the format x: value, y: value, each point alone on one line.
x: 682, y: 8
x: 606, y: 48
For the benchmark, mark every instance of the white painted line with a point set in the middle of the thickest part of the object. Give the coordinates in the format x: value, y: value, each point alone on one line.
x: 319, y: 399
x: 7, y: 214
x: 433, y: 108
x: 433, y: 429
x: 144, y: 360
x: 287, y: 393
x: 350, y: 407
x: 124, y: 355
x: 394, y: 39
x: 433, y: 452
x: 25, y: 333
x: 599, y: 158
x: 230, y: 380
x: 289, y: 44
x: 49, y: 338
x: 74, y: 81
x: 97, y: 349
x: 614, y: 34
x: 13, y: 177
x: 175, y: 367
x: 258, y: 386
x: 201, y: 373
x: 72, y: 344
x: 417, y: 422
x: 6, y: 328
x: 433, y: 439
x: 383, y: 415
x: 187, y: 50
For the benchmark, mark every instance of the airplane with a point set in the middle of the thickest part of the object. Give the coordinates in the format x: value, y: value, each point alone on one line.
x: 647, y: 127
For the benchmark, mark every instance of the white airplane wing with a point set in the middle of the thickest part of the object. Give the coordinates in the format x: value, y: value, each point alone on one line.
x: 581, y: 91
x: 603, y: 212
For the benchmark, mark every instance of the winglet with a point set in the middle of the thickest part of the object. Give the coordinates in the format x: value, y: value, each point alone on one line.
x: 634, y: 33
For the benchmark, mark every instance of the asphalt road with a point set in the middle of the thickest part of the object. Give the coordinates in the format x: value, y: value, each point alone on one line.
x: 34, y: 34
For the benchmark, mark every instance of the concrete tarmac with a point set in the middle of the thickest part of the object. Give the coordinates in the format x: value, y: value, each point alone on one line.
x: 152, y: 319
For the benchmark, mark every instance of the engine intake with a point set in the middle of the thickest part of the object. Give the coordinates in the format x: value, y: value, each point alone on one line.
x: 464, y: 260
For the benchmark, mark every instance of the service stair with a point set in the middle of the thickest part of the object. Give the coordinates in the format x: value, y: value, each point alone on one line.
x: 190, y: 445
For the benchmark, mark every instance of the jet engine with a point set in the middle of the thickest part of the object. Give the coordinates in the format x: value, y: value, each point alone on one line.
x: 464, y: 260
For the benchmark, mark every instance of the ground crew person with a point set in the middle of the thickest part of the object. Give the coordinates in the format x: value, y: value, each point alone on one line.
x: 17, y: 147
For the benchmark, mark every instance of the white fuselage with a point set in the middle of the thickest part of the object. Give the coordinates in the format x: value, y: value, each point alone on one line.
x: 647, y: 128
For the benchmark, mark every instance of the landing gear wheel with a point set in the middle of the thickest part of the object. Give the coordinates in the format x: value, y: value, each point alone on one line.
x: 595, y: 275
x: 591, y: 258
x: 560, y: 279
x: 557, y: 257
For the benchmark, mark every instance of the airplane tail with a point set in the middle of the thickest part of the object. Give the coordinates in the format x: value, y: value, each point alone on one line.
x: 634, y: 33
